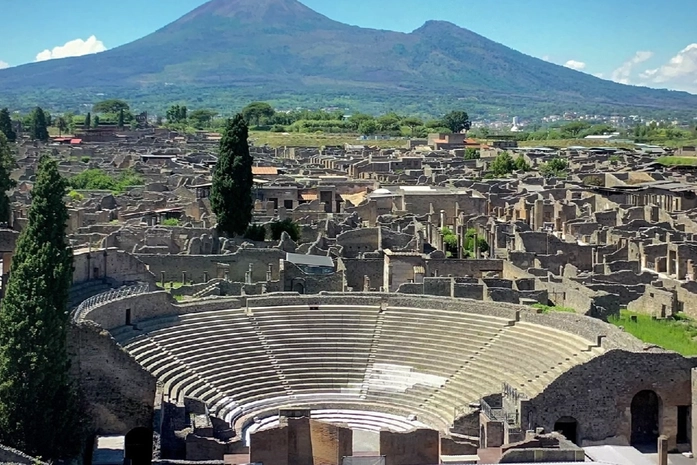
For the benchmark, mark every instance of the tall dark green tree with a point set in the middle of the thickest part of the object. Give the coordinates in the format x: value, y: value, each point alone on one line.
x: 457, y: 121
x: 38, y: 412
x: 231, y: 193
x: 39, y: 125
x: 7, y: 164
x: 121, y: 119
x: 88, y: 120
x: 6, y: 125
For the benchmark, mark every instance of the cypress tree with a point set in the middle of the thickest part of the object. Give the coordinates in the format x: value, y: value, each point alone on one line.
x: 121, y: 119
x: 7, y: 164
x: 88, y: 121
x: 39, y: 126
x: 6, y: 125
x: 231, y: 192
x: 38, y: 411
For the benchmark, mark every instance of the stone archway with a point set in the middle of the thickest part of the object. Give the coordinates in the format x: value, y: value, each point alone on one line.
x: 645, y: 411
x: 138, y: 446
x: 568, y: 426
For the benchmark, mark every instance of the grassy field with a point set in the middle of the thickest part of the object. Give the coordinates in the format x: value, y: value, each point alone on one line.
x: 677, y: 161
x: 678, y: 335
x: 551, y: 309
x: 303, y: 139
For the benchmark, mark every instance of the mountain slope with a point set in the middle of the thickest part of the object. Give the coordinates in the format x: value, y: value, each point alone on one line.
x: 281, y: 45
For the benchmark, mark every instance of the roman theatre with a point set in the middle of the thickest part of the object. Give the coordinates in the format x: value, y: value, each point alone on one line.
x: 481, y: 374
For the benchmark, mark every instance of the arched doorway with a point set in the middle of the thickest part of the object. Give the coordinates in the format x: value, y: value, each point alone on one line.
x: 645, y: 414
x: 138, y: 446
x: 568, y: 426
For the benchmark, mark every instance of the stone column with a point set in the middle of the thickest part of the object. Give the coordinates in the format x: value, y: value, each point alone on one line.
x: 662, y: 450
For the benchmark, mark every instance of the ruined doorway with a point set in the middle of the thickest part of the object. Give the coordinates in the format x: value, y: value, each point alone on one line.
x: 138, y: 446
x: 684, y: 424
x: 645, y: 414
x: 299, y: 288
x: 568, y: 426
x: 482, y: 437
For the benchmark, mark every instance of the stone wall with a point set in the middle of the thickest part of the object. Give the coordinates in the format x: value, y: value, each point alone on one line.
x: 197, y: 265
x: 356, y: 269
x: 117, y: 265
x: 409, y: 448
x: 9, y: 455
x: 119, y: 394
x: 603, y: 412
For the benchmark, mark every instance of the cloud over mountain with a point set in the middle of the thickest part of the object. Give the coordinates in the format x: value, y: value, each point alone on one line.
x: 73, y: 48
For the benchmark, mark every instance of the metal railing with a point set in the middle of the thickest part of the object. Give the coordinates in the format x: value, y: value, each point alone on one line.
x: 106, y: 297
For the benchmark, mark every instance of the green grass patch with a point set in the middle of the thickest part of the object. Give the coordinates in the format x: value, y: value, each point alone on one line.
x: 676, y: 334
x: 553, y: 309
x: 316, y: 139
x: 677, y: 161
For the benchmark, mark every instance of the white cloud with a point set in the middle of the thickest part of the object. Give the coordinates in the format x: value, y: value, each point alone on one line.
x: 4, y: 64
x: 623, y: 74
x: 680, y: 73
x: 546, y: 58
x: 599, y: 75
x: 73, y: 48
x: 577, y: 65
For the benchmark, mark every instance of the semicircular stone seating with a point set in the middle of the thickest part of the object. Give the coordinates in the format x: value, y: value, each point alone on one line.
x: 398, y: 362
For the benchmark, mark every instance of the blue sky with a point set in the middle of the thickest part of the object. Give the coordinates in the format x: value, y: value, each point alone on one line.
x: 632, y: 42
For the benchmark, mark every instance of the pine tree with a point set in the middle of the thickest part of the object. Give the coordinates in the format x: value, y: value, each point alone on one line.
x: 7, y: 164
x: 38, y: 411
x: 231, y: 193
x: 88, y: 120
x: 121, y: 119
x: 6, y: 125
x: 39, y: 127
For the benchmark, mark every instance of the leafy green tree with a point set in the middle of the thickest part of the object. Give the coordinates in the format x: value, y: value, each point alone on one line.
x: 38, y: 408
x: 38, y: 126
x: 556, y: 167
x: 287, y: 225
x: 521, y: 164
x: 177, y: 114
x: 96, y: 120
x: 389, y: 122
x: 412, y: 123
x: 61, y: 124
x: 457, y: 121
x: 255, y: 111
x: 449, y: 241
x: 255, y: 232
x: 368, y: 127
x: 503, y: 165
x: 231, y: 192
x: 201, y: 119
x: 6, y: 125
x: 470, y: 242
x: 88, y: 120
x: 110, y: 106
x: 471, y: 154
x: 574, y: 129
x: 7, y: 164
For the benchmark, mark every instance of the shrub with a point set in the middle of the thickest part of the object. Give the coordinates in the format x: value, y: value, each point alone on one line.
x: 75, y: 196
x: 287, y: 225
x: 255, y: 232
x: 97, y: 179
x: 85, y: 159
x: 170, y: 222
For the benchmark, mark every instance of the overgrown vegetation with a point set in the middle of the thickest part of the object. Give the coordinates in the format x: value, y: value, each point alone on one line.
x: 255, y: 232
x: 553, y: 308
x: 677, y: 161
x: 98, y: 179
x: 677, y: 334
x: 556, y: 167
x: 170, y: 222
x: 287, y: 225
